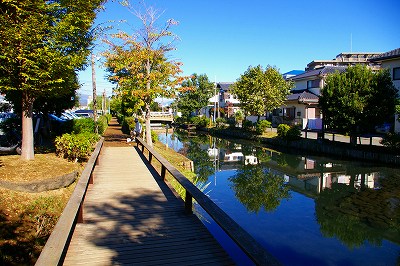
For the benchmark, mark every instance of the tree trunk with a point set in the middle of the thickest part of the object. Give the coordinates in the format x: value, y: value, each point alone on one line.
x: 28, y: 152
x: 148, y: 102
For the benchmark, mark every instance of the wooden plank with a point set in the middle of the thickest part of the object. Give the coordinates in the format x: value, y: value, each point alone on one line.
x: 133, y: 218
x: 55, y: 246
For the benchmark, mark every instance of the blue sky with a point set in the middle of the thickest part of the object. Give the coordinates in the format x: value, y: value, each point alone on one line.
x: 222, y: 38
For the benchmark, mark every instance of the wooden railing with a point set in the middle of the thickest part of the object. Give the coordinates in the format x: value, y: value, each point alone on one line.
x: 55, y: 248
x: 243, y: 239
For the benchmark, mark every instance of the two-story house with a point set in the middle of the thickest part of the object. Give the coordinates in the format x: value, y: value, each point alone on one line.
x: 391, y: 60
x: 301, y: 106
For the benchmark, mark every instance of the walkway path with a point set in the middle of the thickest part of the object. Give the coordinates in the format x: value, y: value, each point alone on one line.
x: 130, y: 218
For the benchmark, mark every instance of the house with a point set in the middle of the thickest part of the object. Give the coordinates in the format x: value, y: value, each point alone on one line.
x: 227, y: 100
x: 223, y: 101
x: 391, y: 60
x: 346, y: 59
x: 301, y: 106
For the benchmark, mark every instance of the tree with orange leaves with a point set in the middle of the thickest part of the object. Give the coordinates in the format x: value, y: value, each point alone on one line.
x: 139, y: 65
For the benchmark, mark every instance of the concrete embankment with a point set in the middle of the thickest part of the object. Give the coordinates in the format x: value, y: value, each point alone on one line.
x: 377, y: 154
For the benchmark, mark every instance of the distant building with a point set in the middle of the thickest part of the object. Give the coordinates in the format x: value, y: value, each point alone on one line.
x: 346, y: 59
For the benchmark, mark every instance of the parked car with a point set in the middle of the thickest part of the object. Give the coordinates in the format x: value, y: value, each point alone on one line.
x: 84, y: 113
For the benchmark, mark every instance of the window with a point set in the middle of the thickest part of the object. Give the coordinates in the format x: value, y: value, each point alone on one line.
x: 396, y: 73
x: 313, y: 83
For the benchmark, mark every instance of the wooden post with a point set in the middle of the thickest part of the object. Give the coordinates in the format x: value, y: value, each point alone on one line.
x: 150, y: 157
x: 163, y: 172
x: 188, y: 203
x: 80, y: 215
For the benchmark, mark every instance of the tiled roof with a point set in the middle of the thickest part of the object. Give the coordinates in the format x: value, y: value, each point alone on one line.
x: 225, y: 86
x: 320, y: 71
x: 388, y: 55
x: 303, y: 97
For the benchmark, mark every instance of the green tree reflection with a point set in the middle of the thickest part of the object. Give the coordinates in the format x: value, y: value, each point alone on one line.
x: 203, y: 164
x: 355, y: 216
x: 255, y: 188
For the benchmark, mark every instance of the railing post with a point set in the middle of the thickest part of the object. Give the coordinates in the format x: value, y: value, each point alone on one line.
x: 150, y: 157
x: 79, y: 219
x: 163, y: 172
x: 188, y: 203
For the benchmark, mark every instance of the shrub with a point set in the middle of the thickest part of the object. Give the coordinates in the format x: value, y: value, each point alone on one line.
x: 154, y: 136
x: 128, y: 123
x: 288, y: 132
x: 282, y: 130
x: 199, y: 121
x: 247, y: 125
x: 220, y: 122
x: 261, y: 126
x: 391, y: 140
x: 84, y: 125
x: 294, y: 133
x: 102, y: 124
x: 231, y: 122
x: 76, y: 147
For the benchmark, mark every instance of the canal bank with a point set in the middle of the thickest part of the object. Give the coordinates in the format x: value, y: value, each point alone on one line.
x: 340, y: 150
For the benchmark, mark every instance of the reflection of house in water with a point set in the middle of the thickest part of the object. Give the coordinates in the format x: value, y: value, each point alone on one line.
x: 310, y: 176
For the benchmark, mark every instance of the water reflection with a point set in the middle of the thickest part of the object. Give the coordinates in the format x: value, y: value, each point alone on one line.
x: 256, y: 188
x: 355, y: 204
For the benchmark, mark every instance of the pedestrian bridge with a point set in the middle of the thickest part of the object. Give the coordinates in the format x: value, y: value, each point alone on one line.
x: 161, y: 117
x: 122, y: 212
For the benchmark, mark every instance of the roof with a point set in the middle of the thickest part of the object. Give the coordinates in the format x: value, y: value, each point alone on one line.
x: 293, y: 72
x: 225, y: 86
x: 320, y: 71
x: 388, y: 55
x: 303, y: 97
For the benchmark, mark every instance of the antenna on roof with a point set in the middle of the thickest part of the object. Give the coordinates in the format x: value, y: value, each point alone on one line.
x: 351, y: 42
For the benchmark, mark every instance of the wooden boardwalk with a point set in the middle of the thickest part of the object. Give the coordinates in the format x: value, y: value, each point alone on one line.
x: 132, y: 218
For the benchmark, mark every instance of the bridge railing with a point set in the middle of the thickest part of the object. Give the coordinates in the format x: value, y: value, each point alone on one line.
x: 243, y: 239
x: 54, y: 251
x: 161, y: 116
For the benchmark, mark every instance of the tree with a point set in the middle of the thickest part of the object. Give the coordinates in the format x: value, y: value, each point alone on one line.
x: 260, y: 91
x: 42, y: 45
x: 196, y: 95
x: 140, y: 66
x: 357, y: 100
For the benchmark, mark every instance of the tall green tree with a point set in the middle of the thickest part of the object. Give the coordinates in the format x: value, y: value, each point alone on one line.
x: 357, y: 100
x: 140, y: 65
x: 196, y: 95
x: 260, y: 91
x: 42, y: 45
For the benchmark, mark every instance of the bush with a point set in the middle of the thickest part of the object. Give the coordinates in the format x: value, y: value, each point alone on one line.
x: 154, y: 136
x: 261, y: 126
x: 247, y: 125
x: 294, y: 133
x: 391, y: 140
x: 102, y: 124
x: 76, y: 147
x: 84, y: 125
x: 199, y: 121
x: 220, y: 122
x: 288, y: 132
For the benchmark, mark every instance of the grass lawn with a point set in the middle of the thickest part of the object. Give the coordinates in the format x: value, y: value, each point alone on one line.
x: 27, y: 219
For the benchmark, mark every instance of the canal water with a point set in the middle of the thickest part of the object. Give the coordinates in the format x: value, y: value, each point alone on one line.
x: 304, y: 209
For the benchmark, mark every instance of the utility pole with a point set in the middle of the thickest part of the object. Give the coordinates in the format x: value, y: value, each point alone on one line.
x: 96, y: 128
